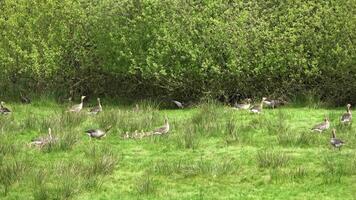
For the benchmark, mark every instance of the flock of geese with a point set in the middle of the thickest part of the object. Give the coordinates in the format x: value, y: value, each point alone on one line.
x: 345, y: 119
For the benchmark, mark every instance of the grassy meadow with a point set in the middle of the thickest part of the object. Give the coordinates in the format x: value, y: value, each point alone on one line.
x: 211, y: 152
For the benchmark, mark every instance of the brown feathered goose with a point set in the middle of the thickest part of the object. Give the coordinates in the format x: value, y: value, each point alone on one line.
x: 98, y: 133
x: 322, y: 126
x: 77, y: 108
x: 347, y: 117
x: 243, y: 106
x: 162, y: 130
x: 258, y: 108
x: 3, y: 109
x: 337, y: 143
x: 136, y: 108
x: 44, y: 140
x: 97, y: 109
x: 273, y: 103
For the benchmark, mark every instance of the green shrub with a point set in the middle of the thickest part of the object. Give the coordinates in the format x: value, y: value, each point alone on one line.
x: 179, y: 49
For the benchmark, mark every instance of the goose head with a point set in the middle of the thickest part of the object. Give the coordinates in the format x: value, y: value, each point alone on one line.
x: 348, y: 106
x: 326, y: 119
x: 264, y: 98
x: 248, y: 100
x: 2, y: 103
x: 83, y: 97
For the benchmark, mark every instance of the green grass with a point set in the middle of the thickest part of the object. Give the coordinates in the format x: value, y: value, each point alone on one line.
x: 211, y: 152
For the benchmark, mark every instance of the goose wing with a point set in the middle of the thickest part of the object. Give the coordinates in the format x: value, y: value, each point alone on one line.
x: 75, y: 108
x: 96, y: 109
x: 346, y: 117
x: 336, y: 142
x: 320, y: 126
x: 255, y: 109
x: 178, y: 104
x: 4, y: 110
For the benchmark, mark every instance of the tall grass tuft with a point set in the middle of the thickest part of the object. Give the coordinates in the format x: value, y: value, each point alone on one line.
x: 40, y: 191
x: 145, y: 185
x: 110, y: 117
x: 333, y: 171
x: 72, y: 120
x: 103, y: 161
x: 188, y: 138
x: 207, y: 121
x: 11, y: 172
x: 6, y: 146
x: 188, y: 168
x: 272, y: 159
x: 231, y: 133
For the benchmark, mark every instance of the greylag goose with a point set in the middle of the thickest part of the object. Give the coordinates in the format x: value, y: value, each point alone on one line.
x: 98, y: 133
x: 178, y: 104
x: 77, y: 108
x: 42, y: 141
x: 136, y: 108
x: 347, y: 117
x: 273, y: 103
x: 162, y: 130
x: 97, y: 108
x: 322, y: 126
x: 258, y: 108
x: 243, y: 106
x: 337, y: 143
x: 3, y: 109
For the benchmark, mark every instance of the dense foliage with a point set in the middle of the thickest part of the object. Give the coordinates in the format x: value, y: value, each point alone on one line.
x: 179, y: 48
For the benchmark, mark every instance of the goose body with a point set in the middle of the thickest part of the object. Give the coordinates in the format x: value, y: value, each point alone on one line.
x: 77, y: 108
x: 97, y: 133
x: 44, y: 140
x: 322, y: 126
x: 162, y: 130
x: 97, y: 109
x: 273, y: 103
x: 337, y: 143
x: 178, y: 104
x: 257, y: 109
x: 136, y: 108
x: 243, y: 106
x: 3, y: 109
x: 347, y: 117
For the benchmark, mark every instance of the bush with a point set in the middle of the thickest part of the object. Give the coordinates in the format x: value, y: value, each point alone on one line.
x: 179, y: 49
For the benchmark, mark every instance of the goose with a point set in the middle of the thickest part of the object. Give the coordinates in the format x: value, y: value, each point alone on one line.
x: 273, y: 103
x: 97, y: 108
x: 42, y: 141
x: 24, y: 99
x: 258, y: 108
x: 98, y: 133
x: 162, y: 130
x: 3, y: 109
x: 243, y: 106
x: 178, y: 104
x: 136, y: 108
x: 77, y: 108
x: 322, y: 126
x: 347, y: 117
x: 337, y: 143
